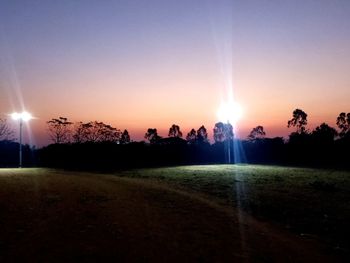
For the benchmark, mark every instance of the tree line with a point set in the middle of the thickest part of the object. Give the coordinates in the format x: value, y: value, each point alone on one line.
x: 101, y: 145
x: 63, y: 131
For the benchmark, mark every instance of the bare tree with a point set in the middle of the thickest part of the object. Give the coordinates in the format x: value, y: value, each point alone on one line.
x: 343, y: 123
x: 299, y: 121
x: 6, y: 133
x: 109, y: 133
x: 60, y: 130
x: 96, y: 132
x: 79, y: 133
x: 257, y: 133
x: 174, y: 131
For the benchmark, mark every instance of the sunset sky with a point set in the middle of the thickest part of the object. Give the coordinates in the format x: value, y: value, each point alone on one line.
x: 149, y: 64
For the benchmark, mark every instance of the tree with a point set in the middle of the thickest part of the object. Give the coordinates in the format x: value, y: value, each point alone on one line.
x: 199, y: 136
x: 174, y: 131
x: 299, y: 121
x: 223, y: 132
x: 191, y: 137
x: 83, y: 133
x: 324, y: 133
x: 108, y: 133
x: 5, y: 131
x: 125, y: 137
x: 79, y: 132
x: 257, y: 133
x: 343, y: 123
x: 202, y: 135
x: 60, y: 130
x: 152, y: 135
x: 96, y: 132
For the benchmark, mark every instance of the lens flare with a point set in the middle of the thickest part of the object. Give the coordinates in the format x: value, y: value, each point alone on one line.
x: 230, y: 112
x: 25, y: 116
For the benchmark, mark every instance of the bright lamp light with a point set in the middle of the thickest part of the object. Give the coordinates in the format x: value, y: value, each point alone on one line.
x: 230, y: 112
x: 24, y: 116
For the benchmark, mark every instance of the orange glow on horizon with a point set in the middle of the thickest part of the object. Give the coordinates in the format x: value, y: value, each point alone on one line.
x: 136, y: 69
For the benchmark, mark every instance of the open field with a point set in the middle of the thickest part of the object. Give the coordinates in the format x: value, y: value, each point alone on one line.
x: 187, y: 214
x: 313, y: 203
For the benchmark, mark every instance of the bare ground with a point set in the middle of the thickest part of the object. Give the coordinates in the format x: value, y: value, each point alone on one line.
x: 56, y: 216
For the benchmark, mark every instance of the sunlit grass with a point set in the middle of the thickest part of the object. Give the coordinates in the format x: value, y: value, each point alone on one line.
x: 21, y: 171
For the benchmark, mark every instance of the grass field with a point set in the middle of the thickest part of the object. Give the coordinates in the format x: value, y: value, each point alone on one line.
x: 311, y: 202
x: 215, y: 213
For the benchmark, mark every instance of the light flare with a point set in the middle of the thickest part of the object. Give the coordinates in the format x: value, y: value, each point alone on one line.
x: 24, y: 116
x: 230, y: 112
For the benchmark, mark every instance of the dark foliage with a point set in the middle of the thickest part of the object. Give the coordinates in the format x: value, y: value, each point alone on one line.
x: 202, y: 135
x: 98, y: 146
x: 9, y: 154
x: 174, y: 131
x: 199, y: 137
x: 257, y: 133
x: 125, y: 137
x: 268, y: 150
x: 299, y: 121
x: 191, y: 137
x: 343, y: 123
x: 303, y: 151
x: 152, y: 135
x: 95, y: 131
x: 223, y: 132
x: 109, y: 156
x: 300, y: 150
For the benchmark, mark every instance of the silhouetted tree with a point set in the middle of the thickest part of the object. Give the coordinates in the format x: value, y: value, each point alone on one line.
x: 324, y: 133
x: 299, y: 121
x: 79, y: 132
x: 202, y: 135
x: 152, y: 135
x: 300, y: 143
x: 343, y: 123
x: 257, y: 133
x: 107, y: 132
x: 5, y: 132
x: 96, y: 132
x: 322, y: 149
x: 174, y: 131
x: 60, y: 130
x: 223, y: 132
x: 191, y: 137
x: 125, y: 137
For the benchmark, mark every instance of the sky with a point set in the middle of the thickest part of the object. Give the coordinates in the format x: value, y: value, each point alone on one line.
x: 149, y: 64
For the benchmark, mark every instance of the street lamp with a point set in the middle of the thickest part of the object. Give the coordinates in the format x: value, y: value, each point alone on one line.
x: 24, y: 116
x: 229, y: 112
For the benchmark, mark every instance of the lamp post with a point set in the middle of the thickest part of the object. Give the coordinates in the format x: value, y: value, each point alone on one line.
x: 24, y: 116
x: 229, y: 112
x: 229, y: 142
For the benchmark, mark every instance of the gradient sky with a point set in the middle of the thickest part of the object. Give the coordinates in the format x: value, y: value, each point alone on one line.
x: 141, y: 64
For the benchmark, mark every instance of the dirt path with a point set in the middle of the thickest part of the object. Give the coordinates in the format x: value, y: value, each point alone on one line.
x: 55, y: 216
